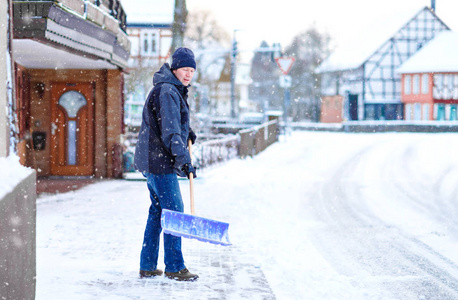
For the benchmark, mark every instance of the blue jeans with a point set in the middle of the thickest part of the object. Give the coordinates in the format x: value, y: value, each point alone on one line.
x: 165, y: 194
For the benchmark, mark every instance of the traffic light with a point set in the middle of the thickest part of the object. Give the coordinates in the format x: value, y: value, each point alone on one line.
x: 234, y: 48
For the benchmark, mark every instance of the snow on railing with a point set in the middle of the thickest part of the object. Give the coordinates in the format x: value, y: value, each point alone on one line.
x: 214, y: 151
x: 247, y: 142
x: 107, y: 18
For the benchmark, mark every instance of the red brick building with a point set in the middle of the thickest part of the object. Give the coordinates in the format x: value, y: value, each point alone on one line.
x: 70, y: 57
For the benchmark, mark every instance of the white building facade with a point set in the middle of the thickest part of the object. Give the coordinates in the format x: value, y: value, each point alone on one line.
x: 150, y: 48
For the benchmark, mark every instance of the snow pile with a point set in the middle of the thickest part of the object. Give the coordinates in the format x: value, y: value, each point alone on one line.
x: 15, y: 173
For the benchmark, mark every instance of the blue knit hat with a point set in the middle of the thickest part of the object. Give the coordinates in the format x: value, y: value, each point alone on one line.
x: 182, y: 58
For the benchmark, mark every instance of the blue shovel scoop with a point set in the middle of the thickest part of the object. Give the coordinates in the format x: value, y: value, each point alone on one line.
x: 193, y: 227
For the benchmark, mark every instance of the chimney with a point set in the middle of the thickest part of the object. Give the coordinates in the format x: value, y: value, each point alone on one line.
x: 433, y: 5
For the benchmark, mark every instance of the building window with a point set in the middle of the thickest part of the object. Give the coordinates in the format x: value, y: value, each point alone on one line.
x: 145, y: 43
x: 370, y: 112
x: 450, y: 86
x: 455, y: 89
x: 407, y: 84
x: 417, y: 111
x: 453, y: 113
x: 425, y: 84
x: 153, y: 43
x: 447, y: 111
x: 426, y: 111
x: 408, y: 112
x: 72, y: 102
x: 150, y: 43
x: 416, y: 84
x: 438, y: 86
x: 447, y: 87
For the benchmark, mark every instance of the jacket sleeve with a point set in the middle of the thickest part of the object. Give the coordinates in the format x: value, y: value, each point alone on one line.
x: 170, y: 121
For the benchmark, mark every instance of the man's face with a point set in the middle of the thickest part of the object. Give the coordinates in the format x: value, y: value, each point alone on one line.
x: 184, y: 75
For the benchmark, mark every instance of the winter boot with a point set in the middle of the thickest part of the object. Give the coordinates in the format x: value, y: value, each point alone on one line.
x: 146, y: 274
x: 183, y: 275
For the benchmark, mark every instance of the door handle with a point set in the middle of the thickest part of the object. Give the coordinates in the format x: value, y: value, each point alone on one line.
x: 53, y: 128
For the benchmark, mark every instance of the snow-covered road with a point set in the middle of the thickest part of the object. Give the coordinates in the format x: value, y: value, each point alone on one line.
x: 387, y: 220
x: 316, y: 216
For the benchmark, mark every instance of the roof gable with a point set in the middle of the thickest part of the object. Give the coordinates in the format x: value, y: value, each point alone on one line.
x: 355, y: 54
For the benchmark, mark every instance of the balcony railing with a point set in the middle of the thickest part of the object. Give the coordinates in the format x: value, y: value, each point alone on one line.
x: 93, y: 26
x: 108, y: 14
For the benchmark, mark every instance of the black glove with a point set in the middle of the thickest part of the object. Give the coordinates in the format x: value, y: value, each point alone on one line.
x: 188, y: 169
x: 192, y: 136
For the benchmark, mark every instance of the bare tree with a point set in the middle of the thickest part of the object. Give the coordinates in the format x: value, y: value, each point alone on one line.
x: 206, y: 37
x: 179, y: 24
x: 140, y: 79
x: 309, y: 48
x: 210, y: 43
x: 204, y: 31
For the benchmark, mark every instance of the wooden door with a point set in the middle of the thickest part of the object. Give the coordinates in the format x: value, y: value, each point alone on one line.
x: 72, y: 129
x: 353, y: 106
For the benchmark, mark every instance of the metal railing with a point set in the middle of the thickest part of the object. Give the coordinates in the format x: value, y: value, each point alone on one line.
x: 248, y: 142
x: 215, y: 151
x: 256, y: 139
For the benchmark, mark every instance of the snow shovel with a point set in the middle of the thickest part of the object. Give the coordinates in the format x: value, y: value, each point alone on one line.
x: 193, y: 227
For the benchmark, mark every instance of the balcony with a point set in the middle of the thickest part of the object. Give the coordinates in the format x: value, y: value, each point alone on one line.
x: 91, y: 32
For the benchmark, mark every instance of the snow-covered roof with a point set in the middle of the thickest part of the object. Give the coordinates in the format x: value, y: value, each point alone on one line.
x: 149, y: 11
x: 439, y: 55
x: 366, y: 41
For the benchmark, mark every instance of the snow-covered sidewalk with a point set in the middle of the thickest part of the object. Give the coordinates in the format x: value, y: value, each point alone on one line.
x: 296, y: 235
x: 89, y: 243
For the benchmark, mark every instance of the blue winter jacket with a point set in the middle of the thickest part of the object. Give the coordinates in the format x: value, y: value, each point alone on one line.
x: 162, y: 140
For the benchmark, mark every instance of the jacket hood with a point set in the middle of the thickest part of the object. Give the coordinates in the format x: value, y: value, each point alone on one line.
x: 165, y: 75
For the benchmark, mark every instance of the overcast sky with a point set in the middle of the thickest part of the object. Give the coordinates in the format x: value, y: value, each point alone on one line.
x: 280, y: 21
